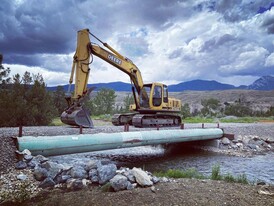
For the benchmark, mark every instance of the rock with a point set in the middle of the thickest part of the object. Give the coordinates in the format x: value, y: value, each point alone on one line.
x: 74, y: 184
x: 131, y: 186
x: 240, y: 145
x: 252, y: 146
x: 261, y: 183
x: 106, y: 172
x: 269, y: 140
x: 40, y: 159
x: 225, y: 141
x: 61, y: 178
x: 234, y: 146
x: 31, y: 165
x: 21, y: 165
x: 86, y: 182
x: 119, y: 182
x: 26, y: 152
x: 256, y: 138
x: 48, y: 182
x: 164, y: 179
x: 53, y: 168
x: 93, y: 175
x: 40, y: 173
x: 155, y: 180
x: 129, y: 175
x: 235, y: 141
x: 141, y: 177
x: 22, y: 177
x: 153, y: 189
x: 93, y: 164
x: 78, y: 172
x: 28, y: 158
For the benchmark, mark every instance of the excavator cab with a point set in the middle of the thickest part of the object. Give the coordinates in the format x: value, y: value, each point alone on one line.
x: 153, y: 95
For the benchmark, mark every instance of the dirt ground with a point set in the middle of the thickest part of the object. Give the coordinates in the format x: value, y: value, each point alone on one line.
x: 181, y: 192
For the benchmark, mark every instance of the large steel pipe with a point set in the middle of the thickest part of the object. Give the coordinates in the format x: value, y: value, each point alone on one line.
x: 69, y: 144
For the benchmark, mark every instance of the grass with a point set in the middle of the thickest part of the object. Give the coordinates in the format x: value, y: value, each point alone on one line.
x: 107, y: 118
x: 175, y: 173
x: 193, y: 173
x: 56, y: 122
x: 224, y: 120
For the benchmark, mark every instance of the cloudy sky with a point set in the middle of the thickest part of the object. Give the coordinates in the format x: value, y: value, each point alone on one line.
x: 171, y: 41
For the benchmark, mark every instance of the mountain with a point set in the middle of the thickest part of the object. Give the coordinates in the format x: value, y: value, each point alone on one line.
x: 264, y: 83
x: 200, y: 85
x: 116, y: 86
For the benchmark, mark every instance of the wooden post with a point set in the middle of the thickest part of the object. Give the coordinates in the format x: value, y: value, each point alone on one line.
x: 182, y: 126
x: 126, y: 127
x: 203, y: 125
x: 81, y: 129
x: 20, y: 131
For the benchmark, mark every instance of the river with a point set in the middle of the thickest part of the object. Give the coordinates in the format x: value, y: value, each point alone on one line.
x: 256, y: 168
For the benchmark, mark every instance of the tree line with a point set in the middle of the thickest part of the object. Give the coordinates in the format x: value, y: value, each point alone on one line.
x: 24, y: 101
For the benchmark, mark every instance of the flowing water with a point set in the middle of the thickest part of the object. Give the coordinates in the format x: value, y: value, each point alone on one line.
x: 256, y: 168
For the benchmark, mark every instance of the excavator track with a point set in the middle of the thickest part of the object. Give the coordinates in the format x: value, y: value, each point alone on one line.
x: 122, y: 119
x: 155, y: 120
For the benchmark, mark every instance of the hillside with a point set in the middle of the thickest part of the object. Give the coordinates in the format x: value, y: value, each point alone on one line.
x: 257, y: 99
x: 264, y: 83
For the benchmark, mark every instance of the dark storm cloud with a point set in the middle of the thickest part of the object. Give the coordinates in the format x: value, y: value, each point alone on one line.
x: 216, y: 42
x: 268, y: 23
x: 49, y: 27
x: 237, y: 10
x: 36, y: 27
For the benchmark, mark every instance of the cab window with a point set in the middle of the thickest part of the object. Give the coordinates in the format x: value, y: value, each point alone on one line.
x: 157, y: 96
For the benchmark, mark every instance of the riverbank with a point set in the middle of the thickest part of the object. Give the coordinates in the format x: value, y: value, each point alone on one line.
x: 176, y: 192
x: 250, y: 139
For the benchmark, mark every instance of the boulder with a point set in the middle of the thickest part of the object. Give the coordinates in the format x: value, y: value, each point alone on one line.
x: 270, y: 140
x: 142, y: 177
x: 48, y: 182
x: 119, y: 182
x: 78, y: 172
x: 130, y: 176
x: 26, y: 152
x: 28, y: 158
x: 40, y: 159
x: 92, y: 164
x: 62, y: 178
x: 20, y: 165
x: 74, y: 184
x: 225, y: 141
x: 106, y: 172
x: 40, y: 173
x: 93, y: 175
x: 31, y: 165
x: 252, y: 146
x: 240, y: 145
x: 131, y: 186
x: 155, y: 179
x: 53, y: 168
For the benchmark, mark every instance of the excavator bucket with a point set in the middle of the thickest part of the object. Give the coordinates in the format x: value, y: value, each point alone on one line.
x: 78, y: 117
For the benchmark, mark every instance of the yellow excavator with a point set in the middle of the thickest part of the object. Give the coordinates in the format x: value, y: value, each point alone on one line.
x: 153, y: 106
